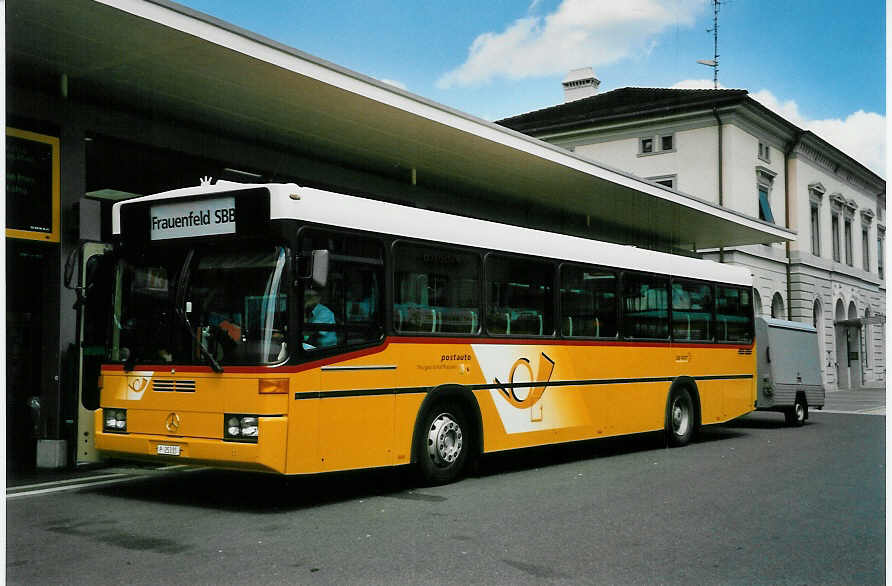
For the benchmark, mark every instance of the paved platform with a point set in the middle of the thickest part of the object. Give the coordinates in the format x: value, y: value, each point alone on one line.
x: 869, y: 401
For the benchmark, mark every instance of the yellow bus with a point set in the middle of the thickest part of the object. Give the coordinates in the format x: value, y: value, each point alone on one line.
x: 293, y: 330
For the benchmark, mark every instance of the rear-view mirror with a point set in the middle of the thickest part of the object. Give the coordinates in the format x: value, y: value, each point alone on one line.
x: 319, y: 269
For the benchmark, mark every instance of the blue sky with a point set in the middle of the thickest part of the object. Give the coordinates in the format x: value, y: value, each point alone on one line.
x: 820, y: 63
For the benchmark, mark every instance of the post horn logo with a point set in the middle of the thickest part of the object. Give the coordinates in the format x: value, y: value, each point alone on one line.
x: 546, y: 367
x: 172, y: 423
x: 138, y: 384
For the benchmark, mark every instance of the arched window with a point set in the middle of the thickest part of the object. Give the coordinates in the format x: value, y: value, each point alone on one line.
x: 839, y: 345
x: 867, y: 340
x: 777, y: 307
x: 817, y: 320
x: 840, y: 310
x: 757, y: 302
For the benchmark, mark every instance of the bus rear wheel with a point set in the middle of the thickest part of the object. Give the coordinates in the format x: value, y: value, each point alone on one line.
x: 443, y: 445
x: 680, y: 418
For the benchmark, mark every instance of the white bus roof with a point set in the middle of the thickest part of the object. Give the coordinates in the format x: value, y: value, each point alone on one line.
x: 289, y: 201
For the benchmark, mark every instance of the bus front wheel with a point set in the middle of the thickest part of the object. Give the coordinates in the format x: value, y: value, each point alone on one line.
x: 442, y: 446
x: 680, y: 418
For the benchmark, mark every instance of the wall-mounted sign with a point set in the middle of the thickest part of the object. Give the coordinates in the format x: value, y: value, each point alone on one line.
x: 32, y: 186
x: 192, y: 218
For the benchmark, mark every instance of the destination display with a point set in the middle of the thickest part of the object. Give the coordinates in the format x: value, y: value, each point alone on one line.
x: 192, y: 218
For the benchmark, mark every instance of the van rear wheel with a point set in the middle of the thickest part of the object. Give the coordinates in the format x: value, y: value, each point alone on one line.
x: 797, y: 415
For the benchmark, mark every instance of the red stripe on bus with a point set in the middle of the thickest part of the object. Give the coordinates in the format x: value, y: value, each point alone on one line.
x: 160, y: 368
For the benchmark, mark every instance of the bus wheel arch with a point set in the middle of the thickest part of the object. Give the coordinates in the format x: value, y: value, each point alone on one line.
x: 683, y: 415
x: 447, y: 410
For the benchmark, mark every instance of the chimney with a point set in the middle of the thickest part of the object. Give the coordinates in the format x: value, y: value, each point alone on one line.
x: 580, y: 83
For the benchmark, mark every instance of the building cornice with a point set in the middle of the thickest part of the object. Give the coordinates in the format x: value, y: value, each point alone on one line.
x: 554, y: 124
x: 840, y: 165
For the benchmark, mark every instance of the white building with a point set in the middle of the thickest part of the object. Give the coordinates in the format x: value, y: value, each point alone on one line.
x: 724, y: 147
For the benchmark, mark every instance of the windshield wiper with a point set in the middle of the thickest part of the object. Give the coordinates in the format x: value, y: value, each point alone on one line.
x: 180, y: 304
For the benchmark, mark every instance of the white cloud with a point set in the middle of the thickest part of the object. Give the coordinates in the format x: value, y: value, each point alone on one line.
x: 398, y: 84
x: 861, y: 135
x: 578, y: 33
x: 696, y: 84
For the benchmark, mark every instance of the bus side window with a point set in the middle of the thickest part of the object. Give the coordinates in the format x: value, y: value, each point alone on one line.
x: 734, y: 314
x: 692, y: 309
x: 588, y: 302
x: 519, y: 296
x: 347, y: 311
x: 435, y: 290
x: 645, y: 306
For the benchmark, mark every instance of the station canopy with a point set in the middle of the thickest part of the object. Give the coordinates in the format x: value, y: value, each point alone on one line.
x: 159, y: 57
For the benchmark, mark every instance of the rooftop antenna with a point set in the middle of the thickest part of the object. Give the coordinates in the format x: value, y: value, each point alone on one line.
x: 714, y: 62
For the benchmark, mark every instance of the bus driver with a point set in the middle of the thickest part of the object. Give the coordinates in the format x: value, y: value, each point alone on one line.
x: 316, y: 313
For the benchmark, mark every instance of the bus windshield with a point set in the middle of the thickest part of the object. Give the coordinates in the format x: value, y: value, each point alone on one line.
x: 201, y: 306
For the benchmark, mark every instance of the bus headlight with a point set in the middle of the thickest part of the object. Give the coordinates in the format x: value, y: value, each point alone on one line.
x: 114, y: 420
x: 240, y: 428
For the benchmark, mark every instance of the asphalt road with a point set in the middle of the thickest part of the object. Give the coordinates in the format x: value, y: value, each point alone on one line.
x: 751, y: 502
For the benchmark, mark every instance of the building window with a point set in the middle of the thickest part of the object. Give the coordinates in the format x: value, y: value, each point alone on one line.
x: 865, y: 249
x: 764, y: 182
x: 667, y: 180
x: 880, y: 246
x: 764, y: 152
x: 866, y: 349
x: 847, y: 234
x: 764, y: 205
x: 648, y: 145
x: 834, y: 228
x: 816, y: 193
x: 815, y: 231
x: 777, y: 307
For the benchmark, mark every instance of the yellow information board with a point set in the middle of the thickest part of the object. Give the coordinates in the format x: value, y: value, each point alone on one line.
x: 32, y: 186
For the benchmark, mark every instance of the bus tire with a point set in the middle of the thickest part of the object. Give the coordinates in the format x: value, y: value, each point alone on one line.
x: 443, y: 447
x: 680, y: 418
x: 797, y: 414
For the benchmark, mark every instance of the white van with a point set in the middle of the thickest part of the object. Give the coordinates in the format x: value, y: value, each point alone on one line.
x: 789, y: 370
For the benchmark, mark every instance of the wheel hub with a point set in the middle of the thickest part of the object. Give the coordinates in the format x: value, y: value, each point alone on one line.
x: 681, y: 417
x: 444, y: 440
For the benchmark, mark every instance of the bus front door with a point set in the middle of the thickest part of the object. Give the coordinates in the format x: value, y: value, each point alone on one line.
x: 96, y: 275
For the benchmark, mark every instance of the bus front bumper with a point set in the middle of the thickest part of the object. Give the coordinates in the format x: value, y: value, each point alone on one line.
x: 267, y: 455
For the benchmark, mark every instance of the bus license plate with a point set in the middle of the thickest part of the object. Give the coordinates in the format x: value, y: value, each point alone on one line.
x: 164, y: 450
